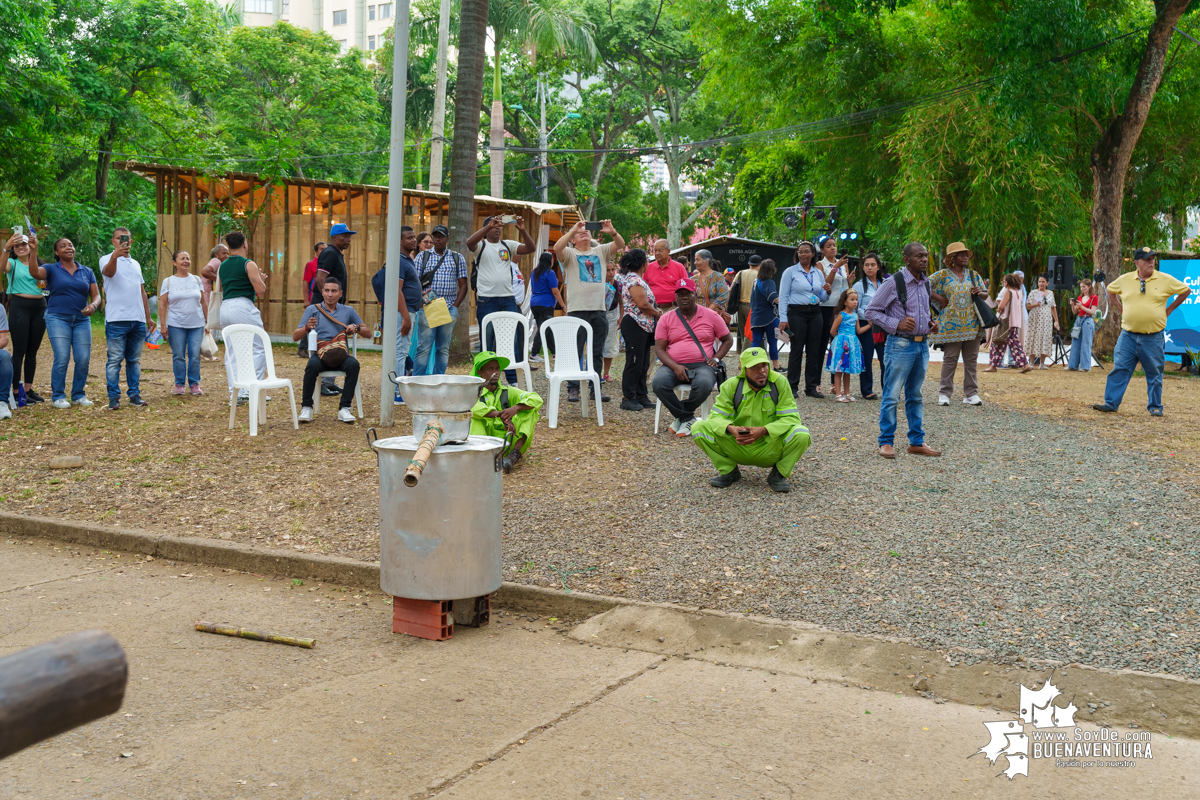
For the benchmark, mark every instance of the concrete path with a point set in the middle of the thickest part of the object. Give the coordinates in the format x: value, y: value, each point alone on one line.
x: 523, y: 708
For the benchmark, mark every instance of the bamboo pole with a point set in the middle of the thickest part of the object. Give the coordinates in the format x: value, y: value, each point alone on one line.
x: 245, y: 633
x: 433, y: 435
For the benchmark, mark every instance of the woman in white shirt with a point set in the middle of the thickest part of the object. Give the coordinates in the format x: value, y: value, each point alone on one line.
x: 840, y: 279
x: 181, y: 318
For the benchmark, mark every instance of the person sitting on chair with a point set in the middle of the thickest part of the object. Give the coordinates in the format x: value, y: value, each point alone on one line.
x: 500, y: 410
x: 684, y: 342
x: 329, y: 319
x: 755, y: 422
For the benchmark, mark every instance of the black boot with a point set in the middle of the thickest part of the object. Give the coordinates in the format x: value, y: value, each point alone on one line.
x: 778, y: 482
x: 726, y: 480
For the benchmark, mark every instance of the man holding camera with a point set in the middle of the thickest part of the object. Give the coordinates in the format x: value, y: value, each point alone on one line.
x: 584, y: 269
x: 1140, y: 297
x: 494, y: 258
x: 127, y: 319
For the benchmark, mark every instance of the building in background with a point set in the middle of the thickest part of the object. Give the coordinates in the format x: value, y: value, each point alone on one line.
x: 654, y: 179
x: 353, y: 23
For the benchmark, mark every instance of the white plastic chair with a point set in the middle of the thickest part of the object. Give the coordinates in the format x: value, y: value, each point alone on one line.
x: 682, y: 390
x: 565, y: 366
x: 334, y: 373
x: 239, y: 343
x: 505, y: 325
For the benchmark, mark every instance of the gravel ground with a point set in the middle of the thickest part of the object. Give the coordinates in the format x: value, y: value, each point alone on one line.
x: 1029, y: 539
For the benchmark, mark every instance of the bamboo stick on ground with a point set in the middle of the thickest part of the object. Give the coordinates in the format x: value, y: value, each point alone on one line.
x: 245, y: 633
x: 433, y: 435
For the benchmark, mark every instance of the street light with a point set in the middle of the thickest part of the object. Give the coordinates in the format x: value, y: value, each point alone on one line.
x: 543, y: 136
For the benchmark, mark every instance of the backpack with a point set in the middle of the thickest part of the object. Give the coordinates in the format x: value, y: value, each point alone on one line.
x: 377, y: 284
x: 741, y: 384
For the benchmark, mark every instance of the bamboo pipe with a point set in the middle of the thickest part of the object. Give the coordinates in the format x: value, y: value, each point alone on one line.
x: 245, y: 633
x: 433, y: 435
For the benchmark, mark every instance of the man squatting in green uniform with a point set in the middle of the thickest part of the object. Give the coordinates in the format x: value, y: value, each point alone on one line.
x: 755, y: 422
x: 503, y: 409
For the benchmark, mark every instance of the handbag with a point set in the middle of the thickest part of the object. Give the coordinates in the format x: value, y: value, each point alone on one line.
x: 208, y: 346
x: 987, y: 315
x: 719, y: 369
x: 212, y: 321
x: 333, y: 352
x: 1077, y: 329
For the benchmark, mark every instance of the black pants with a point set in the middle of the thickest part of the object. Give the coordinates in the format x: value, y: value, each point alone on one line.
x: 599, y: 322
x: 805, y: 324
x: 315, y: 366
x: 27, y: 323
x: 639, y: 349
x: 540, y: 315
x: 866, y: 378
x: 826, y: 338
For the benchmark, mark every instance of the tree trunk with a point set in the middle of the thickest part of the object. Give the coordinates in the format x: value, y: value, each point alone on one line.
x: 497, y: 131
x: 439, y: 100
x: 1111, y: 156
x: 104, y: 160
x: 464, y: 149
x: 674, y: 208
x: 1178, y: 226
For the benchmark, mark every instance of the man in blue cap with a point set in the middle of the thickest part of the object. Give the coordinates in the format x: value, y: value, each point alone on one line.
x: 755, y: 422
x: 332, y: 264
x: 501, y: 410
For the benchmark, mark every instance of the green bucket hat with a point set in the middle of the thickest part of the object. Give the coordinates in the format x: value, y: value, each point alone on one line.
x: 485, y: 357
x: 752, y: 356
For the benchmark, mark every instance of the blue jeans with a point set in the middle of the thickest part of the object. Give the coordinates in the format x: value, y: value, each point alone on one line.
x: 1078, y: 359
x: 906, y: 363
x: 1132, y: 348
x: 487, y: 339
x: 125, y: 340
x: 6, y: 372
x: 185, y: 352
x: 766, y: 334
x: 402, y: 343
x: 69, y: 333
x: 434, y: 340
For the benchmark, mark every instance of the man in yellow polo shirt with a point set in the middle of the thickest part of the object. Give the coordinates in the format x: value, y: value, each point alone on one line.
x: 1141, y: 299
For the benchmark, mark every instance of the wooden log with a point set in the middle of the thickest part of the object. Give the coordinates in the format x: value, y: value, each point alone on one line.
x: 433, y: 435
x: 246, y: 633
x: 53, y: 687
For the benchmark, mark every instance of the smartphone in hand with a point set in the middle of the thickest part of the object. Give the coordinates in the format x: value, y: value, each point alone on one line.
x: 592, y: 226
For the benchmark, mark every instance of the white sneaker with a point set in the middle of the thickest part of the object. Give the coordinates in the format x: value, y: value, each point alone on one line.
x: 4, y: 412
x: 674, y: 426
x: 83, y: 402
x: 973, y: 400
x: 62, y: 402
x: 685, y: 429
x: 346, y: 415
x: 536, y: 360
x: 943, y: 400
x: 306, y: 414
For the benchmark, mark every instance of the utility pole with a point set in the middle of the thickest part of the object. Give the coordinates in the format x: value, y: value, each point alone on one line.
x: 439, y: 100
x: 395, y: 217
x: 543, y: 161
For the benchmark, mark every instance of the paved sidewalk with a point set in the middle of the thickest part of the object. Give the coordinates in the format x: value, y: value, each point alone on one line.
x: 524, y: 708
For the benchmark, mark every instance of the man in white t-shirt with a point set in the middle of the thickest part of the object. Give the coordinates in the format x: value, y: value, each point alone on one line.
x: 127, y: 319
x: 584, y: 269
x: 494, y: 257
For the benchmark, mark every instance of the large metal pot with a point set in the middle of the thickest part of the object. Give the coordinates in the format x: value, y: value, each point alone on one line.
x: 444, y: 399
x: 440, y: 539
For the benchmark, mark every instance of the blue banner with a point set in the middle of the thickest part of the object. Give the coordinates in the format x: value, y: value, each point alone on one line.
x: 1183, y: 326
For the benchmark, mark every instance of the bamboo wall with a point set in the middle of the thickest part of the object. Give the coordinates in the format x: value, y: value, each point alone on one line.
x: 283, y: 221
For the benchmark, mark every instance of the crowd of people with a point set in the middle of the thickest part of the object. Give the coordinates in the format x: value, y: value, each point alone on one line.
x: 835, y: 318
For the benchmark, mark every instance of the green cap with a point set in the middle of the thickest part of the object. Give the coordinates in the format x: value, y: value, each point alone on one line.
x: 753, y: 356
x: 485, y: 357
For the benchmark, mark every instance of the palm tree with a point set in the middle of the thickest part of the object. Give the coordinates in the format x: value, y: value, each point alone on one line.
x: 540, y: 25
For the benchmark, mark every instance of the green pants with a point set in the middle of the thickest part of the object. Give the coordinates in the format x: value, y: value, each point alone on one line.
x: 524, y: 423
x: 781, y: 452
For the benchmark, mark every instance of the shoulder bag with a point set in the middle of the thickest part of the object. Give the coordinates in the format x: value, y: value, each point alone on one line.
x: 720, y: 371
x: 333, y: 352
x: 987, y: 315
x: 212, y: 321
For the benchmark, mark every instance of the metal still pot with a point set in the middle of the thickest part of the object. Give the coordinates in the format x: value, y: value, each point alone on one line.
x: 444, y: 399
x: 440, y: 539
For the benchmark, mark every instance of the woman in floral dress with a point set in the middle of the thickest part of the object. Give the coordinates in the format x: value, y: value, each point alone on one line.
x: 1043, y: 321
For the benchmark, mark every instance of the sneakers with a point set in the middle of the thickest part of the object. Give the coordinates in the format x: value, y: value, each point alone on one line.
x: 726, y: 480
x: 62, y: 403
x: 675, y: 425
x: 196, y: 390
x: 33, y: 397
x: 685, y: 428
x: 1154, y: 412
x: 346, y: 415
x: 777, y: 482
x: 572, y: 395
x: 973, y: 400
x: 536, y: 360
x: 328, y: 390
x: 1107, y: 409
x: 943, y: 400
x: 178, y: 389
x: 398, y: 400
x: 83, y: 402
x: 5, y: 413
x: 647, y: 402
x: 630, y: 405
x: 138, y: 401
x: 306, y: 414
x: 113, y: 405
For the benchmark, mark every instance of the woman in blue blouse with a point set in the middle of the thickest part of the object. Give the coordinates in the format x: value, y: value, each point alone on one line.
x: 74, y: 297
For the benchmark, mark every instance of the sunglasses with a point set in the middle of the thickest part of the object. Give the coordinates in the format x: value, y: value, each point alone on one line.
x: 1143, y: 282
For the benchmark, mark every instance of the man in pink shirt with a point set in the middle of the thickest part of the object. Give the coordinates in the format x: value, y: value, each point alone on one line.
x: 664, y: 274
x: 685, y: 342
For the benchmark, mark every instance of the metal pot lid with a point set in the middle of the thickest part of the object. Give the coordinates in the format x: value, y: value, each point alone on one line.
x: 476, y: 443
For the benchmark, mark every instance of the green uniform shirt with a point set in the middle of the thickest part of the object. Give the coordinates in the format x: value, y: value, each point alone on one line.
x: 756, y: 409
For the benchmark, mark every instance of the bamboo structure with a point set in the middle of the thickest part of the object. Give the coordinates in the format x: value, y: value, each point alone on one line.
x: 246, y: 633
x: 433, y: 435
x: 284, y: 219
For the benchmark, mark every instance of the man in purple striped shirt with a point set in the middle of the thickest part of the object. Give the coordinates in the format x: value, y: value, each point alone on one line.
x: 906, y: 353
